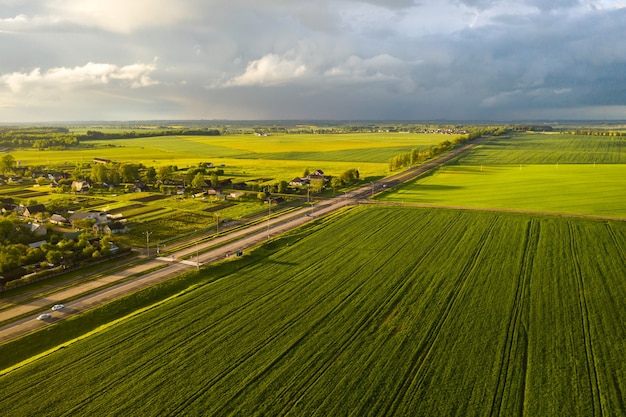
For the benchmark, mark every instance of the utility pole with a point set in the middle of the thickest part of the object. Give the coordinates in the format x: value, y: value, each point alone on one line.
x: 148, y: 242
x: 197, y: 255
x: 269, y: 213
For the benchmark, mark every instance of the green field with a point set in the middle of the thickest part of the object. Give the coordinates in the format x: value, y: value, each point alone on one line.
x: 384, y: 311
x: 542, y: 173
x: 281, y: 157
x: 536, y: 148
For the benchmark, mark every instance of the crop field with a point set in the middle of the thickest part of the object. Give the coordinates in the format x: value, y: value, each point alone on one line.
x: 527, y: 172
x: 471, y: 313
x: 281, y: 157
x: 572, y: 189
x: 534, y: 148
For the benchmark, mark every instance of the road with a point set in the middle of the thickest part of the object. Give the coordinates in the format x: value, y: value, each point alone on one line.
x: 156, y: 270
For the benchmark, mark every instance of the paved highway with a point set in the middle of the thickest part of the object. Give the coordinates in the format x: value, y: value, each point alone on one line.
x: 153, y: 271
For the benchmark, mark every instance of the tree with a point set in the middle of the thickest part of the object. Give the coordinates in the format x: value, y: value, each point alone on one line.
x: 77, y: 173
x: 99, y: 174
x: 7, y: 162
x: 54, y: 256
x: 129, y: 172
x: 198, y: 181
x: 84, y: 224
x: 317, y: 184
x: 349, y: 176
x: 261, y: 195
x: 335, y: 183
x: 164, y: 172
x: 306, y: 172
x: 215, y: 180
x: 283, y: 186
x: 151, y: 175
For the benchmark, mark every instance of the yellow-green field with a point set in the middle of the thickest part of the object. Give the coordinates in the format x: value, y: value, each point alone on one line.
x: 279, y: 156
x: 542, y: 173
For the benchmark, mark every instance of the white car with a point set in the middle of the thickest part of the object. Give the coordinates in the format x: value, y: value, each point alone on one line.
x: 58, y: 307
x: 44, y: 316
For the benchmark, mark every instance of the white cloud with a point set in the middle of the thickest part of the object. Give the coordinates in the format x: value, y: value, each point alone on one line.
x: 271, y: 69
x: 136, y: 75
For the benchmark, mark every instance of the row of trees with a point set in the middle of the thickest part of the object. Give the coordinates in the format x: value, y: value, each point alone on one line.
x: 417, y: 156
x: 598, y: 133
x: 62, y: 138
x: 38, y: 137
x: 97, y: 135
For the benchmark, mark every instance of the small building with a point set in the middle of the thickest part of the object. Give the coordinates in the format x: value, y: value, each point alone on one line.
x: 57, y: 219
x: 236, y: 194
x: 7, y: 204
x: 214, y: 190
x: 102, y: 161
x: 30, y: 211
x: 37, y: 229
x: 37, y: 244
x: 81, y: 186
x: 111, y: 228
x: 299, y: 182
x: 97, y: 216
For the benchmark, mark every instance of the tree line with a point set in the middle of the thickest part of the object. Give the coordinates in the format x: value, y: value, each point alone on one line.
x: 62, y: 138
x: 588, y: 132
x: 39, y: 138
x: 98, y: 135
x: 416, y: 156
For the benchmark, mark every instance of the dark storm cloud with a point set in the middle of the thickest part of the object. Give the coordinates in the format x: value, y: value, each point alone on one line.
x: 456, y: 59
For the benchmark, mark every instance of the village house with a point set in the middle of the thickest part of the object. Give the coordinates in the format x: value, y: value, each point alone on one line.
x: 299, y: 182
x: 32, y: 210
x: 36, y: 229
x: 57, y: 219
x: 81, y: 186
x: 236, y: 194
x: 97, y: 216
x: 7, y: 204
x: 114, y: 228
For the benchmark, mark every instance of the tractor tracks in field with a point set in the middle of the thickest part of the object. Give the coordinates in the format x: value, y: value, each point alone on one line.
x: 516, y: 344
x: 412, y: 375
x: 280, y: 332
x: 592, y: 372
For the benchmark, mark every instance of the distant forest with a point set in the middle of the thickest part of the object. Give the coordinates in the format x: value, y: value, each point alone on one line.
x: 63, y: 138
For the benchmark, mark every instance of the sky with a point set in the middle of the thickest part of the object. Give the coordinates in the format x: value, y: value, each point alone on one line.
x: 487, y: 60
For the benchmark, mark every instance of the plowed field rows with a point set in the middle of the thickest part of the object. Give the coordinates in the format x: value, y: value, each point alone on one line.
x: 382, y: 312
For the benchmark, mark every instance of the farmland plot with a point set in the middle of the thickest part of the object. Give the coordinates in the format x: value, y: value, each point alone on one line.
x: 383, y: 312
x: 533, y: 172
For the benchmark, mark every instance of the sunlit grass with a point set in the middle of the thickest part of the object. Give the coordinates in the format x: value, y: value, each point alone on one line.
x: 576, y: 189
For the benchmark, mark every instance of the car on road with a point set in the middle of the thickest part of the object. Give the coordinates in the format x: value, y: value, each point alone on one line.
x: 44, y: 316
x: 58, y: 307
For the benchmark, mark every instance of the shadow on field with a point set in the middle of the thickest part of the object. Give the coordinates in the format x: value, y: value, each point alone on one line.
x: 437, y: 187
x: 272, y: 261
